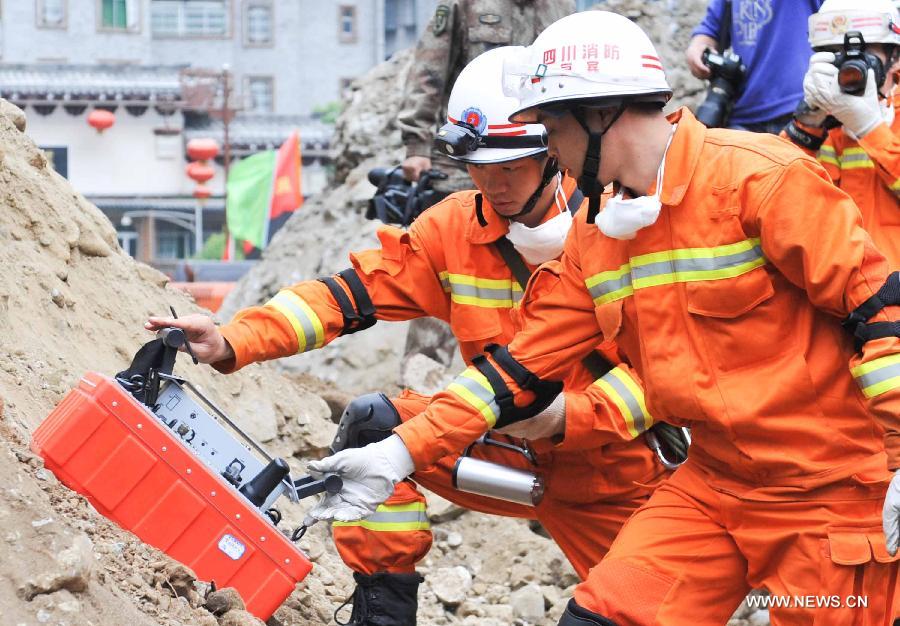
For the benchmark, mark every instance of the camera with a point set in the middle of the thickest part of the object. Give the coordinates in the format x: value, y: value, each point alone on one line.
x: 457, y: 140
x: 853, y: 65
x: 398, y: 201
x: 728, y: 72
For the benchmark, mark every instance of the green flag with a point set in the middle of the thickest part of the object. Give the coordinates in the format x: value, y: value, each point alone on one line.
x: 248, y: 197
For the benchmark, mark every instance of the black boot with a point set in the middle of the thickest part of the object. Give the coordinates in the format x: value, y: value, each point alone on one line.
x: 383, y: 599
x: 575, y: 615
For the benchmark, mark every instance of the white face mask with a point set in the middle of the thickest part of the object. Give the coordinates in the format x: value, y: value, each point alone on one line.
x: 545, y: 241
x: 621, y: 219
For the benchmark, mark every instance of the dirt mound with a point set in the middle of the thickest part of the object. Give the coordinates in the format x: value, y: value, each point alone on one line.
x: 72, y: 301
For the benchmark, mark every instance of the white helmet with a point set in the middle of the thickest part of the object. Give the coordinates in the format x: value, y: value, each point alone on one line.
x: 595, y: 56
x: 478, y: 129
x: 877, y: 21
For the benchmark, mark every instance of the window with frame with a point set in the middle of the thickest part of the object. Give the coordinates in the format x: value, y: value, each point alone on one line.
x: 51, y: 13
x: 260, y: 94
x: 258, y: 26
x: 189, y: 18
x: 119, y: 14
x: 347, y: 23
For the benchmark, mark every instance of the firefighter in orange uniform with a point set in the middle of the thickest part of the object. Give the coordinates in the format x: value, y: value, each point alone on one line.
x: 595, y: 465
x: 862, y: 155
x: 723, y: 270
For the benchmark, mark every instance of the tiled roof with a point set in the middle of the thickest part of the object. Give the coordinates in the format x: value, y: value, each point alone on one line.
x: 255, y: 132
x: 92, y: 83
x: 146, y: 203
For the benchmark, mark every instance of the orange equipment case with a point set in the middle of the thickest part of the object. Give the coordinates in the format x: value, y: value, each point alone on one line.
x: 104, y: 444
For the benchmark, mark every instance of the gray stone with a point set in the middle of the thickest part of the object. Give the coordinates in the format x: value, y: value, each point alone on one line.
x: 450, y: 584
x: 528, y: 603
x: 71, y: 569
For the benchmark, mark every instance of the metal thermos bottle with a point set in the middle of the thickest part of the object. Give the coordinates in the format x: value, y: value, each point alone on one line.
x: 497, y: 481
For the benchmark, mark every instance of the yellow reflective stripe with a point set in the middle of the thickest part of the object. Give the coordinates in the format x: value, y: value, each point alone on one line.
x: 697, y: 275
x: 855, y: 158
x: 445, y: 281
x: 827, y: 154
x: 676, y: 266
x: 473, y: 388
x: 306, y: 324
x: 386, y: 526
x: 491, y: 293
x: 695, y: 253
x: 878, y: 376
x: 393, y: 518
x: 628, y: 398
x: 895, y: 186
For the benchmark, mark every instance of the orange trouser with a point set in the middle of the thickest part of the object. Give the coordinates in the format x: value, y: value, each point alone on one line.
x: 690, y: 555
x: 583, y: 531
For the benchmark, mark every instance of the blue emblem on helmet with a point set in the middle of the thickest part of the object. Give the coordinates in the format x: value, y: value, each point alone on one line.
x: 475, y: 118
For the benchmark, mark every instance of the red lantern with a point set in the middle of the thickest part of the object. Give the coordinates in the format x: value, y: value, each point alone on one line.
x: 101, y: 119
x: 202, y: 192
x: 202, y: 149
x: 199, y: 172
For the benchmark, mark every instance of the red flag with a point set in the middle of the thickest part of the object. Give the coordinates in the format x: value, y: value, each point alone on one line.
x: 287, y: 195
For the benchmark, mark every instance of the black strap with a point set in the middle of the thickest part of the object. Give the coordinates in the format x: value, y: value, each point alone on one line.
x: 513, y: 260
x: 142, y: 376
x: 511, y: 143
x: 856, y: 323
x: 724, y: 39
x: 804, y: 138
x: 356, y: 318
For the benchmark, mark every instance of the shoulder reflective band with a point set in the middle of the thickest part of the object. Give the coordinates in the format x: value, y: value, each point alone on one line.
x: 473, y: 388
x: 628, y: 398
x: 355, y: 318
x: 306, y: 324
x: 488, y: 293
x: 675, y: 266
x: 878, y: 376
x: 393, y: 518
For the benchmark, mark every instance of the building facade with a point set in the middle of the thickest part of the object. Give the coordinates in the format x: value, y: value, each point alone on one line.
x: 162, y: 67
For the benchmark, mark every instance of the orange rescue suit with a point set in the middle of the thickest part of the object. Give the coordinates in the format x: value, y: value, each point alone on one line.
x: 869, y: 171
x: 446, y: 267
x: 729, y: 308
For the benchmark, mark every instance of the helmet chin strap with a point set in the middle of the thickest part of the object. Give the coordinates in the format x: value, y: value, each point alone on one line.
x: 587, y: 182
x: 551, y: 168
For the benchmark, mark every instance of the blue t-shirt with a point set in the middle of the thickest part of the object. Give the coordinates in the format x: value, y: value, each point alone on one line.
x: 771, y: 38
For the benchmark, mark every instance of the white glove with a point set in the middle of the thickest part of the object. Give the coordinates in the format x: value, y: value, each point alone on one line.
x: 858, y: 114
x: 890, y: 515
x: 551, y: 421
x: 369, y: 474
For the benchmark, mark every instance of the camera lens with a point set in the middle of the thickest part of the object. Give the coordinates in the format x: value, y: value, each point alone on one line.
x: 852, y: 76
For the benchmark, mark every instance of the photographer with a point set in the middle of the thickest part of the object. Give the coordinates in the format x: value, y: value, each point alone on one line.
x: 764, y: 34
x: 850, y: 89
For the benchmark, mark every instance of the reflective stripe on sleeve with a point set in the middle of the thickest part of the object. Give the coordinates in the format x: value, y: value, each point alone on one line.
x: 676, y: 266
x: 878, y: 376
x: 475, y: 390
x: 855, y: 158
x: 828, y: 155
x: 393, y: 518
x: 306, y: 324
x: 628, y: 398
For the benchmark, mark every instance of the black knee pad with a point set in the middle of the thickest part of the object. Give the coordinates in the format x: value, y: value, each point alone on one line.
x: 367, y: 419
x: 575, y: 615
